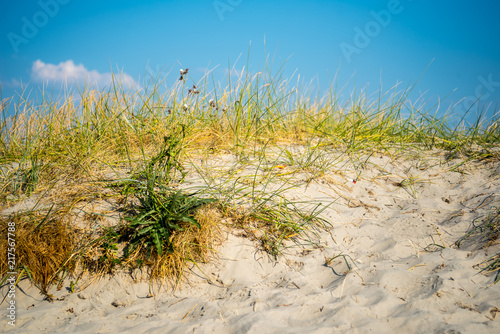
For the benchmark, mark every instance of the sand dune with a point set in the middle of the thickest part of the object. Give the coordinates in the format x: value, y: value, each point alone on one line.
x: 406, y: 273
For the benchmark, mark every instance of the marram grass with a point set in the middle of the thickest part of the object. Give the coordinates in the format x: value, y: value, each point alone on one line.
x: 133, y: 150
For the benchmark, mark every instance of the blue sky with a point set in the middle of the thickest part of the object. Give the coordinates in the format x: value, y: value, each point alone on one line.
x: 390, y: 41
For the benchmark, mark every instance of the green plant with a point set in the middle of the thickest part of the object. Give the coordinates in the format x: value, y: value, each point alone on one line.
x: 159, y: 215
x: 163, y: 165
x: 25, y: 178
x: 345, y: 257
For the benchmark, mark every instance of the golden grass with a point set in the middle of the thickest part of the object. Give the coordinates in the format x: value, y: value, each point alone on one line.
x: 44, y: 246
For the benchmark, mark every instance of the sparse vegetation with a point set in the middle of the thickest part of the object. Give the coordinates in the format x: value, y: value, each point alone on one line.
x: 483, y: 234
x: 149, y: 156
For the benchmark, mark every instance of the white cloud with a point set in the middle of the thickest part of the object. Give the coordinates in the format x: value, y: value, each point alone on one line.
x: 12, y: 83
x: 69, y: 72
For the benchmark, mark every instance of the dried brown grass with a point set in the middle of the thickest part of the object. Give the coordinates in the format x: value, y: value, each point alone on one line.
x: 44, y: 246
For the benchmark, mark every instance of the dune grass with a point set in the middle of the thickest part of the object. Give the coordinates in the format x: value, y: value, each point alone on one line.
x: 149, y: 154
x: 482, y: 234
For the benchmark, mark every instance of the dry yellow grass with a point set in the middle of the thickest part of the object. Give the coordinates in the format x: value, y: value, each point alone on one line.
x: 43, y: 247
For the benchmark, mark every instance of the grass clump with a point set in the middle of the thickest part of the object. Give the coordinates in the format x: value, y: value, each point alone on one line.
x: 483, y: 235
x: 44, y: 247
x: 25, y: 178
x: 272, y: 225
x: 486, y: 233
x: 159, y: 215
x: 253, y: 198
x: 490, y: 266
x: 189, y: 240
x: 161, y: 229
x: 162, y: 240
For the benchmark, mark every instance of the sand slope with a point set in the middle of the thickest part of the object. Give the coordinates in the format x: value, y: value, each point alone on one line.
x: 402, y: 280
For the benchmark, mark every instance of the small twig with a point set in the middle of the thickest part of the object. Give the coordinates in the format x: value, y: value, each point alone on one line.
x: 191, y: 310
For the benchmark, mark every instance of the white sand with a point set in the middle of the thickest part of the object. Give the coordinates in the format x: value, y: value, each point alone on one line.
x: 396, y: 286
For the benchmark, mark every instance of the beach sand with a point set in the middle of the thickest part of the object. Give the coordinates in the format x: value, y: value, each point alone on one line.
x: 389, y: 263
